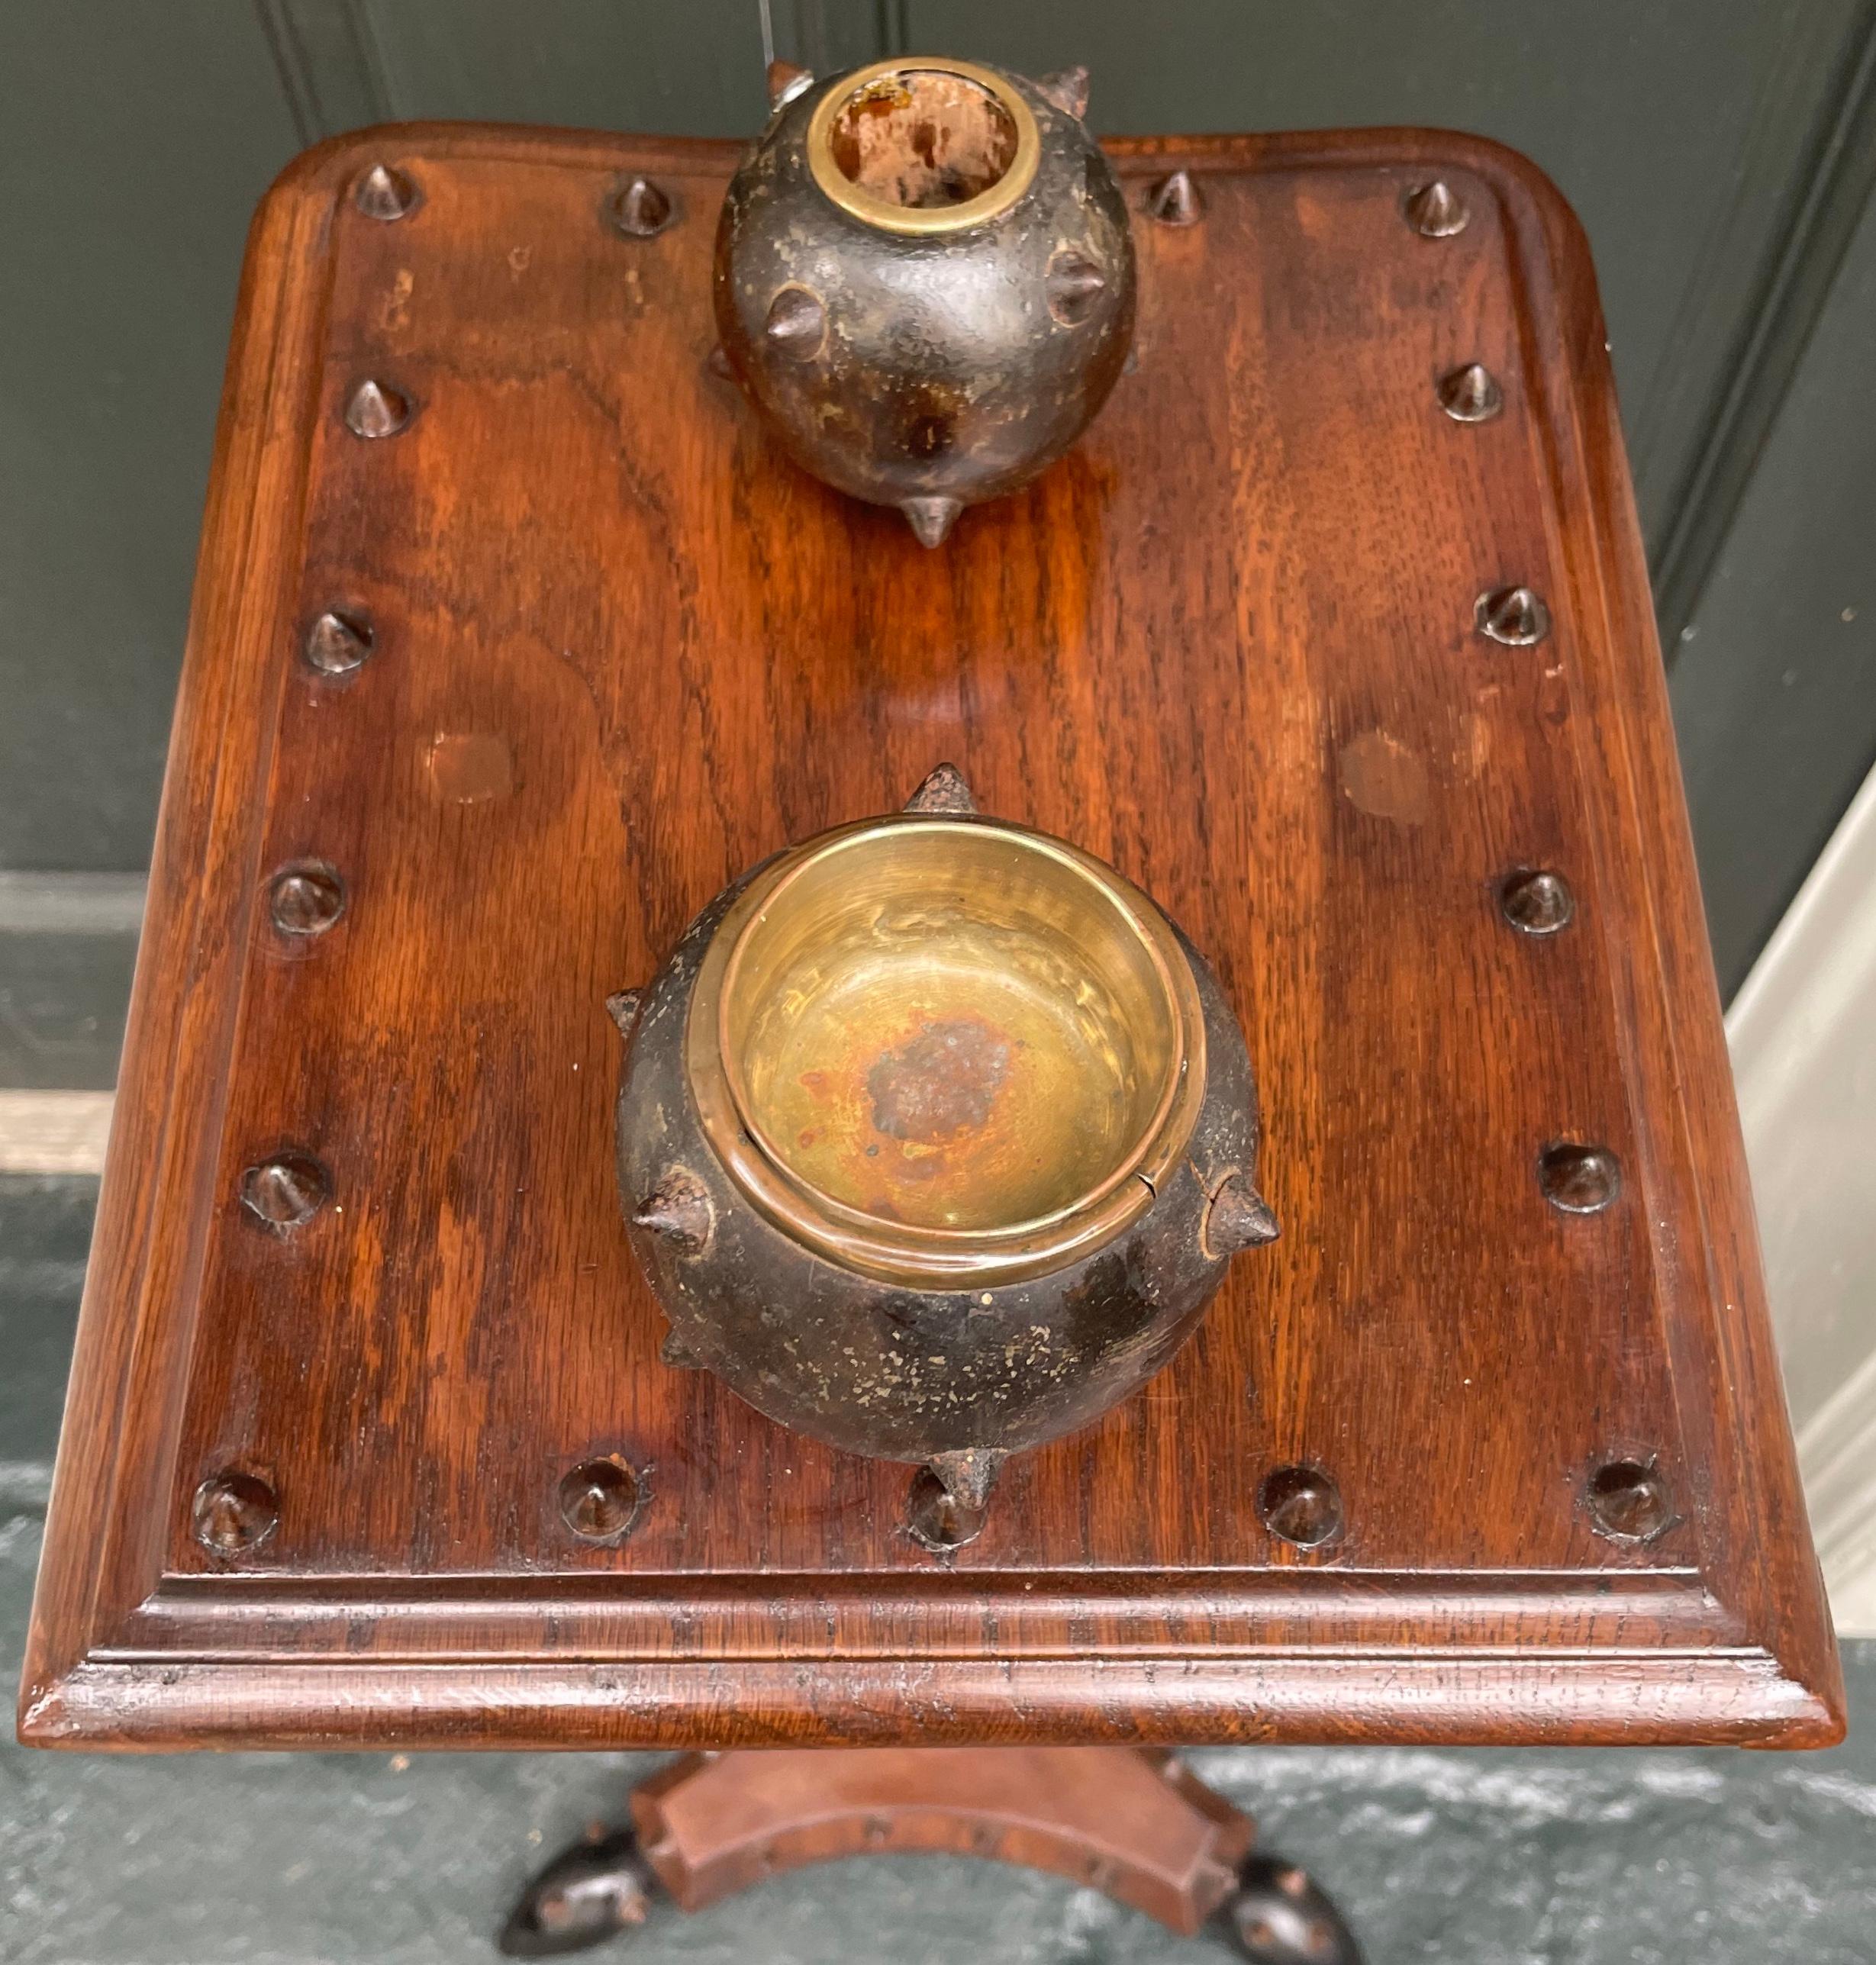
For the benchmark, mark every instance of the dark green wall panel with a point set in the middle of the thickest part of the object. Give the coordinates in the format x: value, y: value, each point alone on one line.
x: 134, y: 139
x: 693, y: 69
x: 1774, y: 692
x: 68, y: 942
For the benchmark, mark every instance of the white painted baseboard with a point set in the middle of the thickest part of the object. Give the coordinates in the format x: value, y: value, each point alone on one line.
x: 53, y: 1132
x: 1803, y: 1035
x: 1837, y: 1450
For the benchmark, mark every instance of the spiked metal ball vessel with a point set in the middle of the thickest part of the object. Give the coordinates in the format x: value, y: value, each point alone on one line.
x: 935, y: 1136
x: 924, y: 280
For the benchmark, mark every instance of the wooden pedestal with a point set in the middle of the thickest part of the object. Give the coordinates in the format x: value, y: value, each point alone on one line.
x: 1130, y: 1821
x: 597, y: 650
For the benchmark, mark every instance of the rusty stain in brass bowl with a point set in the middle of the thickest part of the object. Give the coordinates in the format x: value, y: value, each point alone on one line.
x: 938, y: 1049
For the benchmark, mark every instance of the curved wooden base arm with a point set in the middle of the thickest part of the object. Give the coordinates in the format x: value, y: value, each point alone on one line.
x: 1130, y: 1822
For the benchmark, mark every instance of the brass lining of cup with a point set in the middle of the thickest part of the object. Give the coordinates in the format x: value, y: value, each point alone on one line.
x: 922, y: 220
x: 1111, y: 1068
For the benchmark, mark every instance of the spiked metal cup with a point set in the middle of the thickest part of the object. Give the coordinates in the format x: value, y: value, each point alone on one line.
x: 935, y: 1135
x: 924, y: 281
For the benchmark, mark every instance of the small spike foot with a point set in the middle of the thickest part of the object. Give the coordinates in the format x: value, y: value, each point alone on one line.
x: 950, y: 1497
x: 931, y: 519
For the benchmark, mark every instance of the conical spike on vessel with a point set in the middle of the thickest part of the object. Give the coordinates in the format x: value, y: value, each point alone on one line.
x: 931, y: 519
x: 942, y: 790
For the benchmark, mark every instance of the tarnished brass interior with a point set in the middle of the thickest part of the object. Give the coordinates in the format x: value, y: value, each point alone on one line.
x: 922, y: 145
x: 943, y: 1047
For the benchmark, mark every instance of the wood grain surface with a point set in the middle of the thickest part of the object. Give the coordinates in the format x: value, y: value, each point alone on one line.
x: 621, y: 650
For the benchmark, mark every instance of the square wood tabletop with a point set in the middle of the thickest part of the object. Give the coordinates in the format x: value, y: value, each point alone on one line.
x: 594, y: 647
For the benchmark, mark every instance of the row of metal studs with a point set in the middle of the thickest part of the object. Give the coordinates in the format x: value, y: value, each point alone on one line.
x: 601, y: 1499
x: 1627, y: 1499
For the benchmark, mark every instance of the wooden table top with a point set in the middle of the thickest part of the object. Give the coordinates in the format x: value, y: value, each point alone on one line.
x: 619, y: 650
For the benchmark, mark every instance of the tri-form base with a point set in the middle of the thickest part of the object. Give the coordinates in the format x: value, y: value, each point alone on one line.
x: 1130, y: 1821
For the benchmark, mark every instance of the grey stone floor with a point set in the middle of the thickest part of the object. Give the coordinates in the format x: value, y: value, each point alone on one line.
x: 1470, y: 1858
